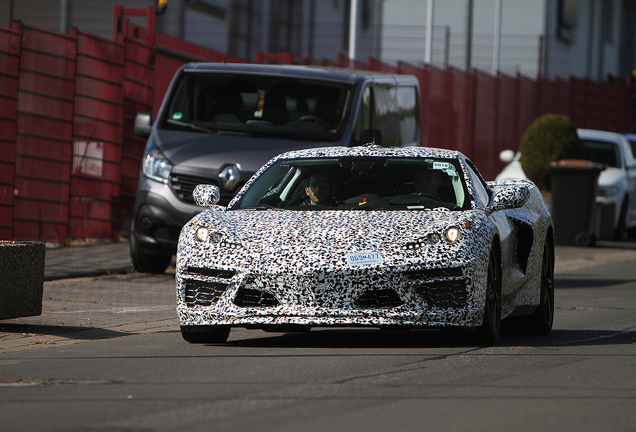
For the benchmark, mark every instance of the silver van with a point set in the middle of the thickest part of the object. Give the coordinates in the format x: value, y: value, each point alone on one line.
x: 219, y: 123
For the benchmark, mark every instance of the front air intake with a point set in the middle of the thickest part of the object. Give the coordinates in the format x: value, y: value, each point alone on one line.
x: 378, y: 298
x: 198, y: 293
x: 254, y: 298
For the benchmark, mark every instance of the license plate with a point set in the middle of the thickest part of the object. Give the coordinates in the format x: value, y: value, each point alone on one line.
x: 364, y: 258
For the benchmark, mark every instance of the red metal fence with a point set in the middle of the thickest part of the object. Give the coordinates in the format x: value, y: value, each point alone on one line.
x: 69, y: 161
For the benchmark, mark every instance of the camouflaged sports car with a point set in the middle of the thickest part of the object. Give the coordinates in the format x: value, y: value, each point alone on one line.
x: 368, y: 236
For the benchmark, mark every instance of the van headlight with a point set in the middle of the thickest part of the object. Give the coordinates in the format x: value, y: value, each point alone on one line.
x: 156, y: 166
x: 607, y: 191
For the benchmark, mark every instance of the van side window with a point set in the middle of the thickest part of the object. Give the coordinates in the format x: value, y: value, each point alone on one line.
x: 386, y: 115
x: 393, y: 110
x: 408, y: 114
x: 364, y: 120
x: 396, y: 115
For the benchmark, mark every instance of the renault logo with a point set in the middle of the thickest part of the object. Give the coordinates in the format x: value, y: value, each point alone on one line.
x: 229, y: 176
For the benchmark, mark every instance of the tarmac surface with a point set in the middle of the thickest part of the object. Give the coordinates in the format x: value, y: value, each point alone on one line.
x: 91, y: 292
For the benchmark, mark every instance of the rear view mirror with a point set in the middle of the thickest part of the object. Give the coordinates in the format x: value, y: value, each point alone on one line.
x: 143, y: 124
x: 511, y: 197
x: 507, y: 156
x: 372, y: 136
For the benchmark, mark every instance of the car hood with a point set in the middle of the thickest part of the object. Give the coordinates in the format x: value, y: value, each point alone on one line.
x: 212, y: 151
x: 609, y: 176
x: 310, y: 240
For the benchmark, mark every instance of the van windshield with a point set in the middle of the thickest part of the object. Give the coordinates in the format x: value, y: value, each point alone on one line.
x: 262, y: 105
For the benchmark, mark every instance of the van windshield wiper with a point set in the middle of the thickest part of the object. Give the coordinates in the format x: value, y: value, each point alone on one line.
x: 190, y: 126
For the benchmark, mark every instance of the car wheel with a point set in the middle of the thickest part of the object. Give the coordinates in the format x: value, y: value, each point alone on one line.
x: 490, y: 330
x: 205, y: 333
x: 540, y: 322
x: 147, y: 263
x: 619, y: 232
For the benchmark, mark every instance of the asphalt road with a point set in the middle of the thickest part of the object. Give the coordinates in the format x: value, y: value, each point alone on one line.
x: 106, y: 355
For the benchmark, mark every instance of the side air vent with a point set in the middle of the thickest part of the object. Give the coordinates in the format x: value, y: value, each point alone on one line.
x: 198, y: 293
x: 254, y: 298
x: 378, y: 299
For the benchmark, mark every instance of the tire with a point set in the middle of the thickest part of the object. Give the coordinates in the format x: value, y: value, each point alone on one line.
x: 490, y: 331
x: 147, y: 263
x: 205, y: 333
x: 540, y: 322
x: 620, y: 231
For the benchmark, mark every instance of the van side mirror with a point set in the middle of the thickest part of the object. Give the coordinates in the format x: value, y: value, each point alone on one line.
x: 372, y: 136
x: 143, y: 124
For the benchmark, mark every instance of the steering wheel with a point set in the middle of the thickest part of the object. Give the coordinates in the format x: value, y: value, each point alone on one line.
x: 314, y: 119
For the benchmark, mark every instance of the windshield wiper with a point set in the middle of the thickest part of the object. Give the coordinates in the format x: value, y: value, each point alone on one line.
x: 190, y: 126
x: 261, y: 207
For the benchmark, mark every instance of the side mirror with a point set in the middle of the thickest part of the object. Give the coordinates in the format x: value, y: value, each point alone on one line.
x: 510, y: 197
x: 206, y: 195
x: 372, y: 136
x: 507, y: 156
x: 143, y: 124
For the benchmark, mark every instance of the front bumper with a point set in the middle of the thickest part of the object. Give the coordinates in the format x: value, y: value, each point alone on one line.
x: 375, y: 297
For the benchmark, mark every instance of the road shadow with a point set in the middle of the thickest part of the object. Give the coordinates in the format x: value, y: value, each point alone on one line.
x: 427, y: 338
x: 583, y: 282
x: 68, y: 332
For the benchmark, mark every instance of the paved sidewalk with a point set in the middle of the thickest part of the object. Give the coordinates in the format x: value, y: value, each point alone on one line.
x: 87, y: 260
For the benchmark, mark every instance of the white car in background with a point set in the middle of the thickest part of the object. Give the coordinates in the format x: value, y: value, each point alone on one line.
x: 616, y: 184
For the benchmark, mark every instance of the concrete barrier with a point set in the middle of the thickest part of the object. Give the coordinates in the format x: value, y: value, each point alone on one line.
x: 21, y: 278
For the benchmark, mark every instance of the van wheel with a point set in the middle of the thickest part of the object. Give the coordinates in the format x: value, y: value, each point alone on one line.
x: 147, y: 263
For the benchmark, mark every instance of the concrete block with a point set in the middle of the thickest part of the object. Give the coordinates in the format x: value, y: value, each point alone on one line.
x: 21, y: 278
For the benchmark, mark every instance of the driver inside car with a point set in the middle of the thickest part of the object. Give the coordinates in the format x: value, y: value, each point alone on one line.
x: 427, y: 181
x: 320, y: 190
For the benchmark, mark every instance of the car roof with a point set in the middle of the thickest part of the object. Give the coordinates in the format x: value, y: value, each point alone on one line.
x: 598, y: 134
x: 302, y: 71
x: 372, y: 151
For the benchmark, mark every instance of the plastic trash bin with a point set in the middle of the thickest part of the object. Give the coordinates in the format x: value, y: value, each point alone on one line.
x: 574, y: 184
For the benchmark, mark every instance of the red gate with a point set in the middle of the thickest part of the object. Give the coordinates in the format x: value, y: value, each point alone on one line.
x: 44, y: 134
x: 9, y: 73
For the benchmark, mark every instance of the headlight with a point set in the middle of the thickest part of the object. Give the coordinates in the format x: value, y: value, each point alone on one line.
x: 204, y: 235
x: 452, y: 234
x: 608, y: 191
x: 156, y: 166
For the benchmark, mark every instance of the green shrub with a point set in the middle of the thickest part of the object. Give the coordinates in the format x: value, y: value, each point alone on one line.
x: 549, y: 138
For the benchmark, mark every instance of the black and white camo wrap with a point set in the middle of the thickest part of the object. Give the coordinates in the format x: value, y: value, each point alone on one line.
x: 299, y: 259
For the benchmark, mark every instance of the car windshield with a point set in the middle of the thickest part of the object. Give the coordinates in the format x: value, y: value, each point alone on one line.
x: 358, y: 184
x: 262, y: 105
x: 603, y: 152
